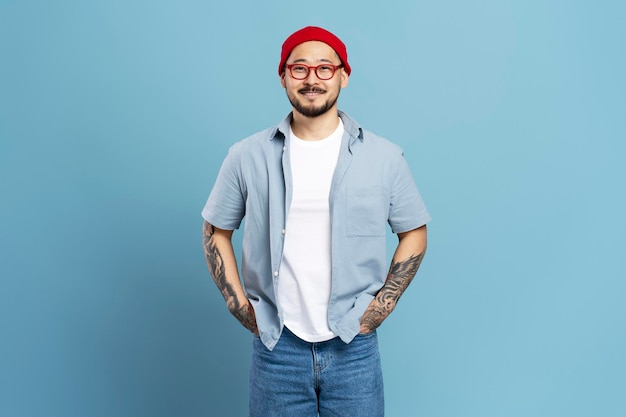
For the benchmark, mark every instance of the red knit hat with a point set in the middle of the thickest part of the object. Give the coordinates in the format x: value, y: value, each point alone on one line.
x: 313, y: 33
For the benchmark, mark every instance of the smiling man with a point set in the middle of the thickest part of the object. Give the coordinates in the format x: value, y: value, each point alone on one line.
x: 318, y: 192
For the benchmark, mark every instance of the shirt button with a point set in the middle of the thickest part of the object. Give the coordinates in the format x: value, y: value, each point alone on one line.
x: 284, y: 148
x: 275, y: 273
x: 282, y: 231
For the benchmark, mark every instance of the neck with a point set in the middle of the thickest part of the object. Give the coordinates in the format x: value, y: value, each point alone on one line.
x: 315, y: 128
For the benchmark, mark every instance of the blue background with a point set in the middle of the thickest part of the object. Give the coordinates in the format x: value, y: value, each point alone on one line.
x: 115, y: 116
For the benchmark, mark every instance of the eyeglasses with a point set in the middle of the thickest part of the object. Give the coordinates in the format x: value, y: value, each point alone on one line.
x: 323, y: 72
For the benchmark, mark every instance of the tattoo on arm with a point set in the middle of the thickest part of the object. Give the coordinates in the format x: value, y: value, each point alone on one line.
x: 400, y: 276
x: 244, y: 313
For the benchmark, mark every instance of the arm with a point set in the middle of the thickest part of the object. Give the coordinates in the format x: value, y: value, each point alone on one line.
x: 220, y: 258
x: 406, y: 261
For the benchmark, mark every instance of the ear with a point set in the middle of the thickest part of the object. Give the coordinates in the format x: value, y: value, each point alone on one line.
x: 282, y: 79
x: 344, y: 78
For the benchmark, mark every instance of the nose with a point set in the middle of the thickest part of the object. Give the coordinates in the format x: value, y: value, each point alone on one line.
x: 311, y: 77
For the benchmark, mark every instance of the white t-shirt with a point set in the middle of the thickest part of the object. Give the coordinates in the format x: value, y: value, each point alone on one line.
x: 305, y: 272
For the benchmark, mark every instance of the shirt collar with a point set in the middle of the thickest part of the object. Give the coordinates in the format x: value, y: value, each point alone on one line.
x: 350, y: 126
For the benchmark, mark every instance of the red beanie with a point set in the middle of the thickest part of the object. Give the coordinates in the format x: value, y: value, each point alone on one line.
x: 313, y: 33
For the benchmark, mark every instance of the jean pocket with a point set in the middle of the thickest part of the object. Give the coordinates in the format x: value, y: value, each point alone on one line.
x: 366, y: 214
x: 366, y: 342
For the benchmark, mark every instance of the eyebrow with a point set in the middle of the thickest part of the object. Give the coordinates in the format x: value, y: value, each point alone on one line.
x: 306, y: 60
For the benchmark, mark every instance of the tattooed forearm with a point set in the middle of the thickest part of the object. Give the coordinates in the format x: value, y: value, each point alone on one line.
x: 216, y: 266
x: 243, y: 312
x: 400, y: 276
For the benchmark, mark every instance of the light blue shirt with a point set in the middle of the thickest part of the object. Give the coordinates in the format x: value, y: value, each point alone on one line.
x: 372, y: 186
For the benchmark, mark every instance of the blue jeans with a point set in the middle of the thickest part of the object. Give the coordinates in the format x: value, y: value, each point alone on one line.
x: 302, y: 379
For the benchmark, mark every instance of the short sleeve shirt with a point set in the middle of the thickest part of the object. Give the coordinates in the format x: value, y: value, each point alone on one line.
x: 372, y: 187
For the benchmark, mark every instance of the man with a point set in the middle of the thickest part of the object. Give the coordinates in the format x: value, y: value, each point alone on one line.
x: 317, y: 191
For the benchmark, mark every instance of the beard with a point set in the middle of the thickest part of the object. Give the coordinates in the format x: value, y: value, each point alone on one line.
x: 309, y: 111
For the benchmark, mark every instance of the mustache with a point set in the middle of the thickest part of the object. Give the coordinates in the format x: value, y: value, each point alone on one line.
x: 311, y: 90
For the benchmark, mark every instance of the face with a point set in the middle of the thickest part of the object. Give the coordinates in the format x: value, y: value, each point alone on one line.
x: 313, y: 97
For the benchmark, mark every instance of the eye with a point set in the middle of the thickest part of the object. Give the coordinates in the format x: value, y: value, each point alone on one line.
x: 299, y: 69
x: 325, y: 68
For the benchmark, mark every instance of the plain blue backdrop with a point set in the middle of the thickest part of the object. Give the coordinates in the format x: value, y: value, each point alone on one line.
x: 115, y: 116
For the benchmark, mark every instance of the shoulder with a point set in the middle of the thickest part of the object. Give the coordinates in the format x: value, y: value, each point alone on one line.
x: 253, y: 142
x: 370, y: 142
x: 378, y: 149
x: 263, y: 140
x: 380, y: 143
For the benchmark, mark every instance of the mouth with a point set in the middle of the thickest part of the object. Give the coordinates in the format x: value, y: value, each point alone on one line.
x: 311, y: 92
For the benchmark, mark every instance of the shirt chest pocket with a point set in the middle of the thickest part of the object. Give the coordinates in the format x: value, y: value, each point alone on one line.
x: 366, y: 212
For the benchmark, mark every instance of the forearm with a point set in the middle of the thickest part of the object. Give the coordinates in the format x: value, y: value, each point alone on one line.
x: 222, y: 264
x: 404, y: 265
